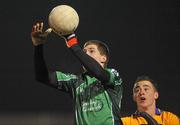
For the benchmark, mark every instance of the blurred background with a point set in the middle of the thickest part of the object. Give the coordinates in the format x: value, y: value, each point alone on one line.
x: 143, y: 37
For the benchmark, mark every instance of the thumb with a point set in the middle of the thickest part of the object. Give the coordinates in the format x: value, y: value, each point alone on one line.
x: 48, y: 31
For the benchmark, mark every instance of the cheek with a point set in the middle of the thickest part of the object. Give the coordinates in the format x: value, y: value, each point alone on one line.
x: 135, y: 98
x: 95, y: 56
x: 151, y: 97
x: 90, y: 54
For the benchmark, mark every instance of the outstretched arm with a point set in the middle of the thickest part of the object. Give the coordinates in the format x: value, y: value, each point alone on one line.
x: 41, y: 72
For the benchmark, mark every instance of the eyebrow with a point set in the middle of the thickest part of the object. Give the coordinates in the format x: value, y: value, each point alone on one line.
x: 91, y: 48
x: 143, y: 86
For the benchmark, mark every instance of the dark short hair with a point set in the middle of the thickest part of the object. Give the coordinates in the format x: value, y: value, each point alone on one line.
x: 102, y: 47
x: 147, y: 78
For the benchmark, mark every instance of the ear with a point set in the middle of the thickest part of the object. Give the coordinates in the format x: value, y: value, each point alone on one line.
x: 156, y: 95
x: 103, y: 59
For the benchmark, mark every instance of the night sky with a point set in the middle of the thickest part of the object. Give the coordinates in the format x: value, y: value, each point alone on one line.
x: 143, y: 37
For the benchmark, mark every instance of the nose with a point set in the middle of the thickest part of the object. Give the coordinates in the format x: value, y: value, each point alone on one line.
x: 141, y: 92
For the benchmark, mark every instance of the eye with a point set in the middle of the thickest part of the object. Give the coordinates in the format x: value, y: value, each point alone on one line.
x: 146, y: 89
x: 136, y: 90
x: 91, y: 51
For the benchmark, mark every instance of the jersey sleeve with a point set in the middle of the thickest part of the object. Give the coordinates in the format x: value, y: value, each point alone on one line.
x: 65, y: 81
x: 58, y: 80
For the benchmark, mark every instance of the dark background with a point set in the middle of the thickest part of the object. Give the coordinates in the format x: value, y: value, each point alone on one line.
x: 143, y: 37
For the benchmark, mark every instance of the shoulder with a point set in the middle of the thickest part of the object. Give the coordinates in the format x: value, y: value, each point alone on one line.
x: 111, y: 70
x: 114, y: 75
x: 126, y: 120
x: 170, y: 117
x: 129, y: 120
x: 168, y: 114
x: 65, y: 76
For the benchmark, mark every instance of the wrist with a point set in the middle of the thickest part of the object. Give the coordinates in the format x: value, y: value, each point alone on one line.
x: 70, y: 36
x: 71, y: 40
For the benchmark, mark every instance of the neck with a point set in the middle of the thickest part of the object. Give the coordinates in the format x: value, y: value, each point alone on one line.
x: 102, y: 65
x: 151, y: 110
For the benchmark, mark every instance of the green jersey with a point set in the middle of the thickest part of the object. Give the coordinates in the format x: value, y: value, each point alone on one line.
x: 96, y: 103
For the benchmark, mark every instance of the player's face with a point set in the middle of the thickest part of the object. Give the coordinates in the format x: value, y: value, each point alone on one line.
x: 144, y: 94
x: 92, y: 50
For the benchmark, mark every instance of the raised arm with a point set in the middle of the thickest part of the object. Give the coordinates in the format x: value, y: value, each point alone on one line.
x: 90, y: 64
x: 41, y: 72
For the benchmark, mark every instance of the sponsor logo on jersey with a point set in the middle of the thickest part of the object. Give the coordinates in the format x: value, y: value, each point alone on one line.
x: 93, y: 105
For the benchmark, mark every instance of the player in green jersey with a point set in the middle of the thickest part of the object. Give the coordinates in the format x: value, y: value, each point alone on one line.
x: 97, y: 92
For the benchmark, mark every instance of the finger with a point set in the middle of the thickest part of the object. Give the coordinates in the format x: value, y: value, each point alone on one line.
x: 49, y: 30
x: 41, y: 26
x: 37, y: 27
x: 34, y: 28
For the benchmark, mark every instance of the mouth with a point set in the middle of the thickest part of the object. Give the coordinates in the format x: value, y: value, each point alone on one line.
x: 142, y: 98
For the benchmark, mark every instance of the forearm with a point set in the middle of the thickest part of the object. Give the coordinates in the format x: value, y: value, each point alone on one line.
x: 41, y: 71
x: 91, y: 65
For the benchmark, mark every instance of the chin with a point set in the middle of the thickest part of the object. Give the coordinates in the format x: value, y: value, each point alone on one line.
x: 143, y: 105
